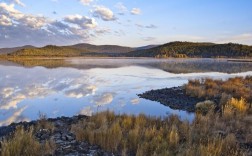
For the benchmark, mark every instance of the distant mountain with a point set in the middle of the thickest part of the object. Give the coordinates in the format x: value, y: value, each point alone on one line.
x: 172, y: 49
x: 72, y: 50
x: 102, y: 48
x: 191, y: 49
x: 146, y: 47
x: 11, y: 50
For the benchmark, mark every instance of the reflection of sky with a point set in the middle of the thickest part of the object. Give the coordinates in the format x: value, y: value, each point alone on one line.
x: 24, y: 92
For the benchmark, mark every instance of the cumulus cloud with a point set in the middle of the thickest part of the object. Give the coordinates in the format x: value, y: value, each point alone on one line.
x: 6, y: 92
x: 82, y: 91
x: 5, y: 21
x: 136, y: 11
x: 13, y: 15
x: 103, y: 99
x: 81, y: 21
x: 103, y: 13
x: 17, y: 28
x: 86, y: 2
x: 12, y: 102
x: 10, y: 97
x: 86, y: 111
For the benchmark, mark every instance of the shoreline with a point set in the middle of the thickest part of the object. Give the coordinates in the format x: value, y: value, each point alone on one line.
x: 65, y: 141
x: 174, y: 97
x: 238, y: 59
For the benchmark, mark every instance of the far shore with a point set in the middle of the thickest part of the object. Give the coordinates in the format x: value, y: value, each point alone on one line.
x: 239, y: 60
x: 115, y: 57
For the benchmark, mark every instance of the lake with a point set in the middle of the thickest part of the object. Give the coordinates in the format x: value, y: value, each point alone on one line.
x: 67, y: 87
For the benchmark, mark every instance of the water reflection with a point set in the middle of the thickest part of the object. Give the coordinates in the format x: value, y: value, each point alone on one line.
x: 170, y: 65
x: 84, y: 87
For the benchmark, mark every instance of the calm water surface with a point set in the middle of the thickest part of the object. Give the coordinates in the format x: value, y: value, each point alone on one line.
x: 85, y: 86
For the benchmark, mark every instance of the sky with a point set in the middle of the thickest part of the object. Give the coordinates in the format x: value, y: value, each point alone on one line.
x: 124, y: 22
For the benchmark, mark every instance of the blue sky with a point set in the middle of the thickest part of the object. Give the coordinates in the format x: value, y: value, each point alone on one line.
x: 124, y: 22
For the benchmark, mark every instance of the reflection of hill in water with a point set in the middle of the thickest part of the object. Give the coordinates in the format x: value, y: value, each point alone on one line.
x: 212, y: 66
x: 169, y: 65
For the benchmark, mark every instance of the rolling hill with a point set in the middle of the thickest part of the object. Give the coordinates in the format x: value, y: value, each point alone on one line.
x: 49, y: 51
x: 102, y: 48
x: 11, y: 50
x: 172, y: 49
x: 68, y: 51
x: 191, y: 49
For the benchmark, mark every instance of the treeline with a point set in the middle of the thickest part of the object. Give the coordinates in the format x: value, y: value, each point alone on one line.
x: 88, y: 50
x: 172, y: 49
x: 48, y: 51
x: 57, y: 51
x: 103, y: 48
x: 190, y: 49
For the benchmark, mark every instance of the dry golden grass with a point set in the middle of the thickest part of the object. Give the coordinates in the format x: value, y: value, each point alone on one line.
x: 207, y: 88
x: 205, y: 107
x: 43, y: 123
x: 208, y: 134
x: 23, y: 143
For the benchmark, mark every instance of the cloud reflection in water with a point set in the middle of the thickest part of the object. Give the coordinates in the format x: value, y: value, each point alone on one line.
x: 26, y: 91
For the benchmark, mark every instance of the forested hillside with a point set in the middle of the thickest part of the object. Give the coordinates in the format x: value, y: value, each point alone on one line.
x: 190, y: 49
x: 49, y: 50
x: 172, y: 49
x: 102, y: 48
x: 11, y: 50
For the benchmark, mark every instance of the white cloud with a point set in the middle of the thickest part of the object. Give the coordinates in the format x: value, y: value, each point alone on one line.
x: 6, y: 92
x: 15, y: 117
x: 81, y: 91
x: 17, y: 28
x: 135, y: 101
x: 86, y: 2
x: 12, y: 102
x: 19, y: 3
x: 9, y: 98
x: 81, y: 21
x: 136, y: 11
x: 104, y: 13
x: 86, y: 111
x: 5, y: 21
x: 10, y: 13
x: 103, y: 99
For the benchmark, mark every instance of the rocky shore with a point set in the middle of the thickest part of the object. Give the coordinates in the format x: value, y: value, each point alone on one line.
x: 64, y: 139
x: 175, y: 98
